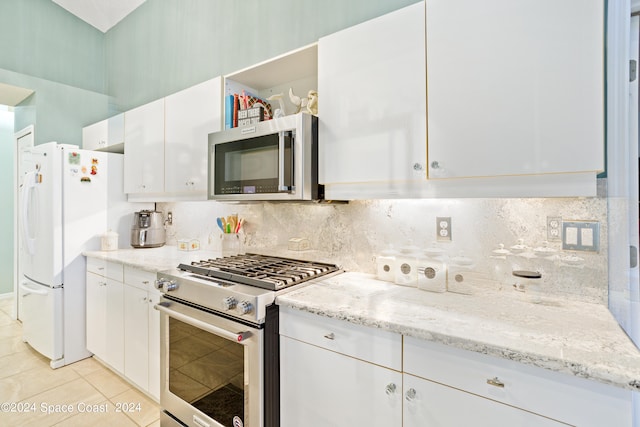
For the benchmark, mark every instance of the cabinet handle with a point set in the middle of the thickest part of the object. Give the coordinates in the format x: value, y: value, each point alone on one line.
x: 390, y: 389
x: 145, y: 282
x: 435, y: 165
x: 330, y: 336
x: 495, y: 382
x: 410, y: 395
x: 102, y: 283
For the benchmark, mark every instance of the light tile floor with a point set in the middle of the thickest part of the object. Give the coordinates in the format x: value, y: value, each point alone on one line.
x: 85, y: 393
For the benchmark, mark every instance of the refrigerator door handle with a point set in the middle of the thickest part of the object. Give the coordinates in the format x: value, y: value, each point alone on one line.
x: 29, y: 290
x: 28, y: 185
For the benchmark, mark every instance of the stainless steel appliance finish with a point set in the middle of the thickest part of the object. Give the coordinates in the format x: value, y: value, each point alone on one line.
x: 148, y: 229
x: 219, y: 338
x: 271, y: 160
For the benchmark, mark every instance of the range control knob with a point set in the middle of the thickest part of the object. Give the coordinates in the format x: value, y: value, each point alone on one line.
x: 229, y: 303
x: 245, y: 307
x: 169, y: 285
x: 159, y: 282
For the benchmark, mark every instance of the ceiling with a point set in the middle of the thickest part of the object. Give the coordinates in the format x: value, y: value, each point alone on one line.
x: 13, y: 95
x: 102, y: 14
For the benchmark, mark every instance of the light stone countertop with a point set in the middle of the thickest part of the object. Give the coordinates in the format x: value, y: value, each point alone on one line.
x: 152, y: 259
x: 577, y: 338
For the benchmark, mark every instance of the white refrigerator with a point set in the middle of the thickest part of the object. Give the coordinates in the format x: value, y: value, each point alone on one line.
x: 69, y: 198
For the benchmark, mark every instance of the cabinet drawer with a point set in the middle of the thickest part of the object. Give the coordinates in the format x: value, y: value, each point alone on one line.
x: 139, y: 278
x: 372, y: 345
x: 555, y: 395
x: 110, y: 269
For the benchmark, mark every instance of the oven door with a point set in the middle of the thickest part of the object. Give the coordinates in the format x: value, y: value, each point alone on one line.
x: 212, y: 368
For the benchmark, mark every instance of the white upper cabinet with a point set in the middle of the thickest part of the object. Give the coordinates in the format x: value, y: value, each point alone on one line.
x: 371, y: 85
x: 106, y: 135
x: 144, y: 149
x: 491, y: 98
x: 167, y: 142
x: 190, y: 116
x: 515, y: 88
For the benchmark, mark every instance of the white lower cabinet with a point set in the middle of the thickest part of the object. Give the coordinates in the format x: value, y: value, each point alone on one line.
x: 105, y: 320
x: 428, y: 403
x: 337, y: 374
x: 123, y: 328
x: 141, y: 331
x: 459, y: 387
x: 136, y: 336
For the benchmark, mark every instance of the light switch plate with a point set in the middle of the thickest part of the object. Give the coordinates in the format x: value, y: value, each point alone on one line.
x: 581, y: 236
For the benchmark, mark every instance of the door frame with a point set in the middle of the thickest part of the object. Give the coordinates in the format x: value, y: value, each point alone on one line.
x: 17, y: 138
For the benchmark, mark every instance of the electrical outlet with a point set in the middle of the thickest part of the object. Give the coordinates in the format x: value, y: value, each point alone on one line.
x: 554, y: 228
x: 443, y: 228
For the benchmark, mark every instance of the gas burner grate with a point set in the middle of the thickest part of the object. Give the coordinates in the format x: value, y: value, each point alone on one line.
x: 267, y: 272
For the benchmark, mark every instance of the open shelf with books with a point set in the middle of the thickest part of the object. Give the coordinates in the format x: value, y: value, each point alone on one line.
x: 246, y: 91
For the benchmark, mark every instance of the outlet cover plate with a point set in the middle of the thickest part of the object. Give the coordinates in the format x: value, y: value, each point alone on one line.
x: 554, y: 228
x: 443, y: 228
x: 581, y: 236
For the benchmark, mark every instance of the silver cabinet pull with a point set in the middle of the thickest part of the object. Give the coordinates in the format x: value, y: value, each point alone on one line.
x: 330, y: 336
x: 410, y: 395
x: 390, y: 389
x: 495, y: 382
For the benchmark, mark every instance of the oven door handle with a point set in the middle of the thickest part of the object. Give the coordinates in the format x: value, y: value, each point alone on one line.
x: 163, y: 307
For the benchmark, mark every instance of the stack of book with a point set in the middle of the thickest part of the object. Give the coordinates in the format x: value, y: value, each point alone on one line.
x: 245, y: 109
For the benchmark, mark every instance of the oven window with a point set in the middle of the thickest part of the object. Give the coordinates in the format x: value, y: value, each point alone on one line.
x: 207, y: 371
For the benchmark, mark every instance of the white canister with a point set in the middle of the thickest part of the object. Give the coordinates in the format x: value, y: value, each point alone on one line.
x: 386, y: 265
x: 109, y: 241
x: 406, y: 268
x: 432, y: 275
x: 458, y: 275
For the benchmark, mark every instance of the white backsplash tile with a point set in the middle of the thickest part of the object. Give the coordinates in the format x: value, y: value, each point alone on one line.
x: 353, y: 234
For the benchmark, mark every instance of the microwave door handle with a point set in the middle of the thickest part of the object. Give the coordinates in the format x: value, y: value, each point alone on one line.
x: 281, y: 186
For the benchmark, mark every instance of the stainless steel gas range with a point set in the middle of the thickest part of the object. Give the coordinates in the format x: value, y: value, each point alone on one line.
x: 219, y: 338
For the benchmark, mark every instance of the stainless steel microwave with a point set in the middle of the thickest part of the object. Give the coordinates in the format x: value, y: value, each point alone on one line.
x: 272, y: 160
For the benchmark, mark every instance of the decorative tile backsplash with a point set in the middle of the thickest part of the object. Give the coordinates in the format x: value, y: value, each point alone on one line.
x: 353, y: 234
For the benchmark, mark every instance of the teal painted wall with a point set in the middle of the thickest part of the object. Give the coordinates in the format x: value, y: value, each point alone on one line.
x: 45, y: 48
x: 168, y: 45
x: 6, y: 195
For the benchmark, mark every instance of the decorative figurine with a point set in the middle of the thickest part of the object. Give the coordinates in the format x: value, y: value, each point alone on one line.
x: 312, y: 103
x: 280, y: 112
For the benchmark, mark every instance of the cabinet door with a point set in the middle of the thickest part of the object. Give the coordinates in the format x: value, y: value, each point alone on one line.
x: 431, y: 404
x: 114, y: 325
x: 323, y: 388
x: 154, y: 345
x: 115, y: 125
x: 514, y: 88
x: 191, y: 115
x: 144, y: 149
x: 136, y: 336
x: 371, y: 80
x: 96, y: 314
x: 95, y: 136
